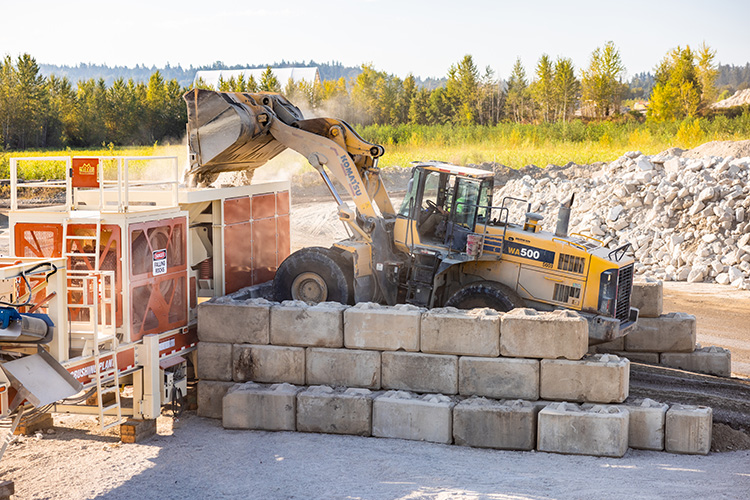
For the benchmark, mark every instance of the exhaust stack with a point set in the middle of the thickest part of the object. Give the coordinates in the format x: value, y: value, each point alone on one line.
x: 563, y: 217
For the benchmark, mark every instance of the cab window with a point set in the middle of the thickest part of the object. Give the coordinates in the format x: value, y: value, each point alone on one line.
x: 465, y: 205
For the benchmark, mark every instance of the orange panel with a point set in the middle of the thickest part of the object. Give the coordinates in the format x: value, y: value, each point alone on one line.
x: 283, y: 239
x: 85, y: 172
x: 158, y: 305
x: 237, y: 210
x: 282, y: 203
x: 38, y: 240
x: 237, y: 256
x: 264, y: 206
x: 147, y: 237
x: 264, y: 250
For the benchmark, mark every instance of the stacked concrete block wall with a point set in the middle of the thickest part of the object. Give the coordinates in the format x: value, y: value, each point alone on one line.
x: 445, y: 375
x: 666, y: 339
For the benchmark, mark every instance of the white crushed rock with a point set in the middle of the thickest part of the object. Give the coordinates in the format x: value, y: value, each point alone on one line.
x: 684, y: 217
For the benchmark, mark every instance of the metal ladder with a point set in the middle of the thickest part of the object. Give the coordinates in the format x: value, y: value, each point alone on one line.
x: 107, y: 378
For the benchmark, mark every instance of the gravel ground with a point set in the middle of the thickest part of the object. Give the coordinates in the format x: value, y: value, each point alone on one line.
x: 200, y: 459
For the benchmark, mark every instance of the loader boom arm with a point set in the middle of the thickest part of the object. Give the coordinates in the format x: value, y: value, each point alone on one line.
x: 229, y: 131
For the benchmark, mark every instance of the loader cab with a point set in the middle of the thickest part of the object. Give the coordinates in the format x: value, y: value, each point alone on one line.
x: 444, y: 203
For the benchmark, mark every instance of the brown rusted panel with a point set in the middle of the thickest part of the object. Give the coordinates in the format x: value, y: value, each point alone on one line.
x: 264, y: 206
x: 193, y: 293
x: 237, y: 256
x: 283, y: 239
x: 282, y: 203
x: 237, y: 210
x: 264, y: 250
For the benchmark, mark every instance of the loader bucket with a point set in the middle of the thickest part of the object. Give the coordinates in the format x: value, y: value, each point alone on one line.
x: 228, y: 131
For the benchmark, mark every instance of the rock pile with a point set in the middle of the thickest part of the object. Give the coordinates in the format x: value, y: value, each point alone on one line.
x: 687, y: 219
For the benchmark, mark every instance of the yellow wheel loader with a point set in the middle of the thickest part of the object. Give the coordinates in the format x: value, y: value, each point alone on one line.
x: 447, y: 245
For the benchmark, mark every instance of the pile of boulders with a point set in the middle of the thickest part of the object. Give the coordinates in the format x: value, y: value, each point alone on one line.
x: 687, y: 219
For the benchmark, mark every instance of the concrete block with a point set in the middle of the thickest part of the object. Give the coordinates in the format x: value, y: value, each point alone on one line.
x: 648, y: 298
x: 498, y: 378
x: 646, y: 430
x: 296, y: 323
x: 673, y: 332
x: 526, y: 333
x: 712, y: 360
x: 214, y: 361
x: 210, y: 394
x: 449, y: 330
x: 599, y: 430
x: 268, y: 364
x: 335, y: 411
x: 234, y: 321
x: 399, y: 414
x: 418, y: 372
x: 260, y: 407
x: 688, y: 429
x: 504, y: 425
x: 614, y: 346
x: 372, y: 326
x: 601, y: 378
x: 639, y: 357
x: 342, y: 367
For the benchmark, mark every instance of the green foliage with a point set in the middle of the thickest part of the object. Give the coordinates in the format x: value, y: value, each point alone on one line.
x: 679, y: 91
x: 601, y: 81
x: 517, y: 95
x: 269, y: 82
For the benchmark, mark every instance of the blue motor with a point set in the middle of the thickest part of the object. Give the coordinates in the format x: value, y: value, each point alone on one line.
x: 16, y: 327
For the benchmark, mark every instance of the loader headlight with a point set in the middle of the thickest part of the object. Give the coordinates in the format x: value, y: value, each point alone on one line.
x: 608, y: 292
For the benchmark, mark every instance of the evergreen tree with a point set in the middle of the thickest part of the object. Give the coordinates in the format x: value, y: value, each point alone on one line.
x: 542, y: 89
x: 462, y: 91
x: 516, y: 101
x: 565, y: 88
x: 269, y: 82
x: 707, y: 74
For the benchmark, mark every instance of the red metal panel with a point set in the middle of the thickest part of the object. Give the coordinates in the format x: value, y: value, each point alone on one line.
x: 264, y: 250
x: 193, y: 293
x: 237, y: 210
x: 282, y: 203
x: 85, y: 172
x: 38, y: 240
x: 238, y: 262
x: 264, y: 206
x: 283, y: 239
x: 85, y: 371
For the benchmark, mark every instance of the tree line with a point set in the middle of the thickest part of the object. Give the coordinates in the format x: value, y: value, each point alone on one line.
x: 49, y: 112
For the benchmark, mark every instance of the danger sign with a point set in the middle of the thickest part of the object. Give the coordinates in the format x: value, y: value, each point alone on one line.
x: 160, y: 262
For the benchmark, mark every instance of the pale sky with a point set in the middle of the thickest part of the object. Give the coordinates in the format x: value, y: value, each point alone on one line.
x: 397, y: 36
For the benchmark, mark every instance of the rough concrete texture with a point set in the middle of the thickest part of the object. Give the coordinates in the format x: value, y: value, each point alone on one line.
x: 498, y: 378
x: 210, y: 395
x: 648, y: 298
x: 296, y: 323
x: 504, y: 425
x: 646, y: 424
x: 335, y: 411
x: 614, y: 346
x: 418, y: 372
x: 261, y: 407
x: 449, y: 330
x: 600, y: 378
x: 234, y: 321
x: 371, y: 326
x: 688, y: 429
x: 673, y: 332
x: 527, y: 333
x: 712, y: 360
x: 399, y: 414
x: 342, y: 367
x: 639, y: 357
x: 268, y: 364
x: 599, y: 430
x: 214, y: 361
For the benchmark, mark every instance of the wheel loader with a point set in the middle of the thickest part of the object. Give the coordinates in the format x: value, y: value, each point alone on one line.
x: 446, y: 245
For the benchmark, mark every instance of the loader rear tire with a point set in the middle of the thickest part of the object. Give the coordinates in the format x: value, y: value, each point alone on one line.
x: 486, y: 294
x: 313, y: 275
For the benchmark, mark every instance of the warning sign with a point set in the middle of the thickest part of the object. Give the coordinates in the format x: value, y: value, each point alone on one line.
x: 160, y: 262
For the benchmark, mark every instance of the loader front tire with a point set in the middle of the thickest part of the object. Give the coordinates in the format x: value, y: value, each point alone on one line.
x: 485, y: 294
x: 312, y: 275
